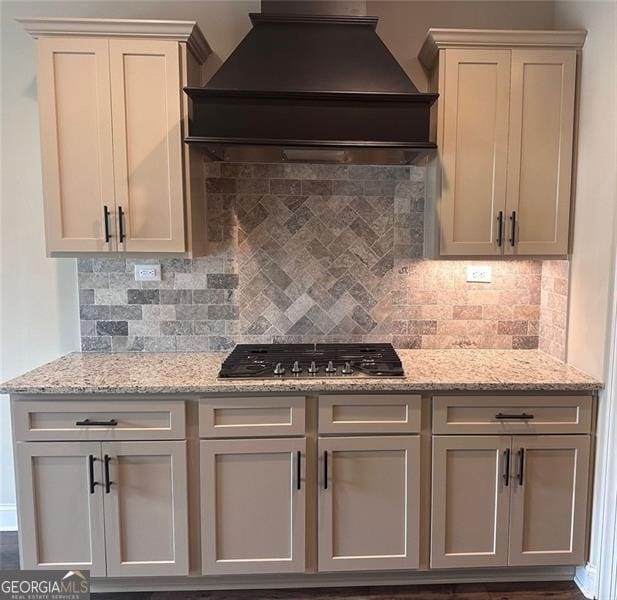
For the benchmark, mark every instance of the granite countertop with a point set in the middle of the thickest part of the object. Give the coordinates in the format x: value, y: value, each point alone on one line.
x: 195, y: 373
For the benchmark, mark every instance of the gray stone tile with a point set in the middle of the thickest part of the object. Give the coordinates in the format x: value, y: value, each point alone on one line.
x: 363, y: 319
x: 127, y: 344
x: 160, y: 344
x: 157, y: 312
x: 95, y: 344
x: 176, y: 296
x: 191, y: 312
x: 84, y: 265
x: 210, y: 327
x: 286, y: 186
x: 220, y: 343
x: 144, y: 328
x: 86, y: 296
x: 221, y: 185
x: 211, y: 296
x: 87, y: 328
x: 348, y: 188
x: 304, y: 326
x: 122, y: 281
x: 278, y: 297
x: 92, y: 312
x: 223, y: 281
x: 93, y: 280
x: 259, y: 326
x: 176, y: 327
x: 192, y: 343
x: 126, y: 312
x: 108, y: 265
x: 110, y: 296
x: 143, y: 296
x: 112, y: 328
x: 223, y: 312
x: 252, y: 186
x: 316, y: 187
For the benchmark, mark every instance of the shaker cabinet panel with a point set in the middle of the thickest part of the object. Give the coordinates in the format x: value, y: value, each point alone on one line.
x: 76, y: 141
x: 253, y: 506
x: 540, y: 151
x: 369, y: 503
x: 470, y: 501
x: 145, y: 94
x: 549, y: 500
x: 474, y: 150
x: 60, y: 506
x: 145, y: 503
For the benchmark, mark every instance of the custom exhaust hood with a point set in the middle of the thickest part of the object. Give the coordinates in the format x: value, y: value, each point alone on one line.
x: 311, y: 88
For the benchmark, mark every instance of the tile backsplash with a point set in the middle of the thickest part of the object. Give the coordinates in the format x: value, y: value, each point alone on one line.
x: 310, y: 253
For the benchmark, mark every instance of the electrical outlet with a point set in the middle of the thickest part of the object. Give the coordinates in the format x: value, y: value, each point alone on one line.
x: 479, y: 273
x: 147, y: 272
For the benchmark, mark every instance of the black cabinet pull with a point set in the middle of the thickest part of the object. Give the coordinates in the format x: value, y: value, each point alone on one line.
x: 506, y: 467
x: 521, y: 465
x: 92, y: 484
x: 500, y: 229
x: 325, y: 470
x: 513, y: 228
x: 299, y: 471
x: 106, y: 222
x: 519, y: 417
x: 89, y: 423
x: 121, y: 235
x: 108, y: 481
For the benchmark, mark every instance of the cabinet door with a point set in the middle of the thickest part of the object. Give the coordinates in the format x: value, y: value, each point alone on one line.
x: 470, y: 501
x: 76, y: 142
x: 549, y: 500
x: 540, y: 151
x: 474, y: 139
x: 60, y: 506
x: 369, y: 503
x: 253, y: 506
x: 146, y: 508
x: 145, y: 94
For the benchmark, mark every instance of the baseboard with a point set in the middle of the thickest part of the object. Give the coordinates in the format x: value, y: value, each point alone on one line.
x: 235, y: 582
x: 8, y: 517
x: 586, y: 579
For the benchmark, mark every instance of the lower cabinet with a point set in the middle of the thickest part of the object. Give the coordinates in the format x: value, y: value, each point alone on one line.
x: 509, y: 500
x: 253, y: 505
x: 369, y: 503
x: 116, y: 508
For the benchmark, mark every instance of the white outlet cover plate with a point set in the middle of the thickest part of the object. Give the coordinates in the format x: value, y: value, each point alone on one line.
x: 479, y: 273
x: 147, y: 272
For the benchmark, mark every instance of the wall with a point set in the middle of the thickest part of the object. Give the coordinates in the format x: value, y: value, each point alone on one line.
x: 592, y: 274
x: 310, y: 253
x: 39, y: 309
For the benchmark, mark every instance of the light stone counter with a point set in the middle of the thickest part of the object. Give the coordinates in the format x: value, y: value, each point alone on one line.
x: 196, y: 373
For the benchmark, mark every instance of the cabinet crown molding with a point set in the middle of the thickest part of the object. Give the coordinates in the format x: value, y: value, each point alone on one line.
x: 181, y: 31
x: 437, y: 39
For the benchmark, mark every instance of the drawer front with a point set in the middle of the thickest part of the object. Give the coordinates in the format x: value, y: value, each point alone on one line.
x: 251, y: 417
x: 99, y: 420
x: 511, y: 414
x: 369, y: 413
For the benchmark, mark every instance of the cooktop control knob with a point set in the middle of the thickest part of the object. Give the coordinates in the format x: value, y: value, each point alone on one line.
x: 313, y: 368
x: 296, y: 368
x: 330, y: 368
x: 347, y: 370
x: 279, y: 369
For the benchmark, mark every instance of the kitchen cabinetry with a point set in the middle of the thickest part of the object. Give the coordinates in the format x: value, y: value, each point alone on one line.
x: 509, y: 500
x: 253, y: 500
x: 369, y: 503
x: 117, y: 508
x: 504, y: 128
x: 116, y: 175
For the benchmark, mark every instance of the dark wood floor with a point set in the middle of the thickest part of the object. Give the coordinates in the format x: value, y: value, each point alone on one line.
x: 554, y: 590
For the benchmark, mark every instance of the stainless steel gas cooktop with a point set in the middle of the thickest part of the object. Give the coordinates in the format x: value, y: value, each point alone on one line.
x: 297, y: 361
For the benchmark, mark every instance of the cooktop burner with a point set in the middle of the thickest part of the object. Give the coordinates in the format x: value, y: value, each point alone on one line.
x: 295, y: 361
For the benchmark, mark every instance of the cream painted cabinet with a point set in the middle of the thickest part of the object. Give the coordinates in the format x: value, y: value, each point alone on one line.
x: 146, y: 506
x: 116, y: 508
x: 60, y: 504
x: 549, y: 500
x: 501, y: 184
x: 369, y: 503
x: 509, y: 500
x: 116, y: 176
x: 253, y: 506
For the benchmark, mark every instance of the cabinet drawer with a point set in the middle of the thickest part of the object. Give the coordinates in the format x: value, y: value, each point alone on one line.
x: 370, y: 413
x: 511, y: 414
x: 251, y: 417
x: 98, y: 420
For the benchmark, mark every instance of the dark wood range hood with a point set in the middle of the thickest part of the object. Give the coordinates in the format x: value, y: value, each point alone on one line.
x: 311, y: 88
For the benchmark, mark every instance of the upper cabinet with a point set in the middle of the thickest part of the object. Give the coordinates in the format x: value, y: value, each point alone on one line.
x: 501, y: 183
x: 117, y: 176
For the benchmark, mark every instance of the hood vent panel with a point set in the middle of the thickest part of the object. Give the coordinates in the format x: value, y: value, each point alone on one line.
x: 312, y: 81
